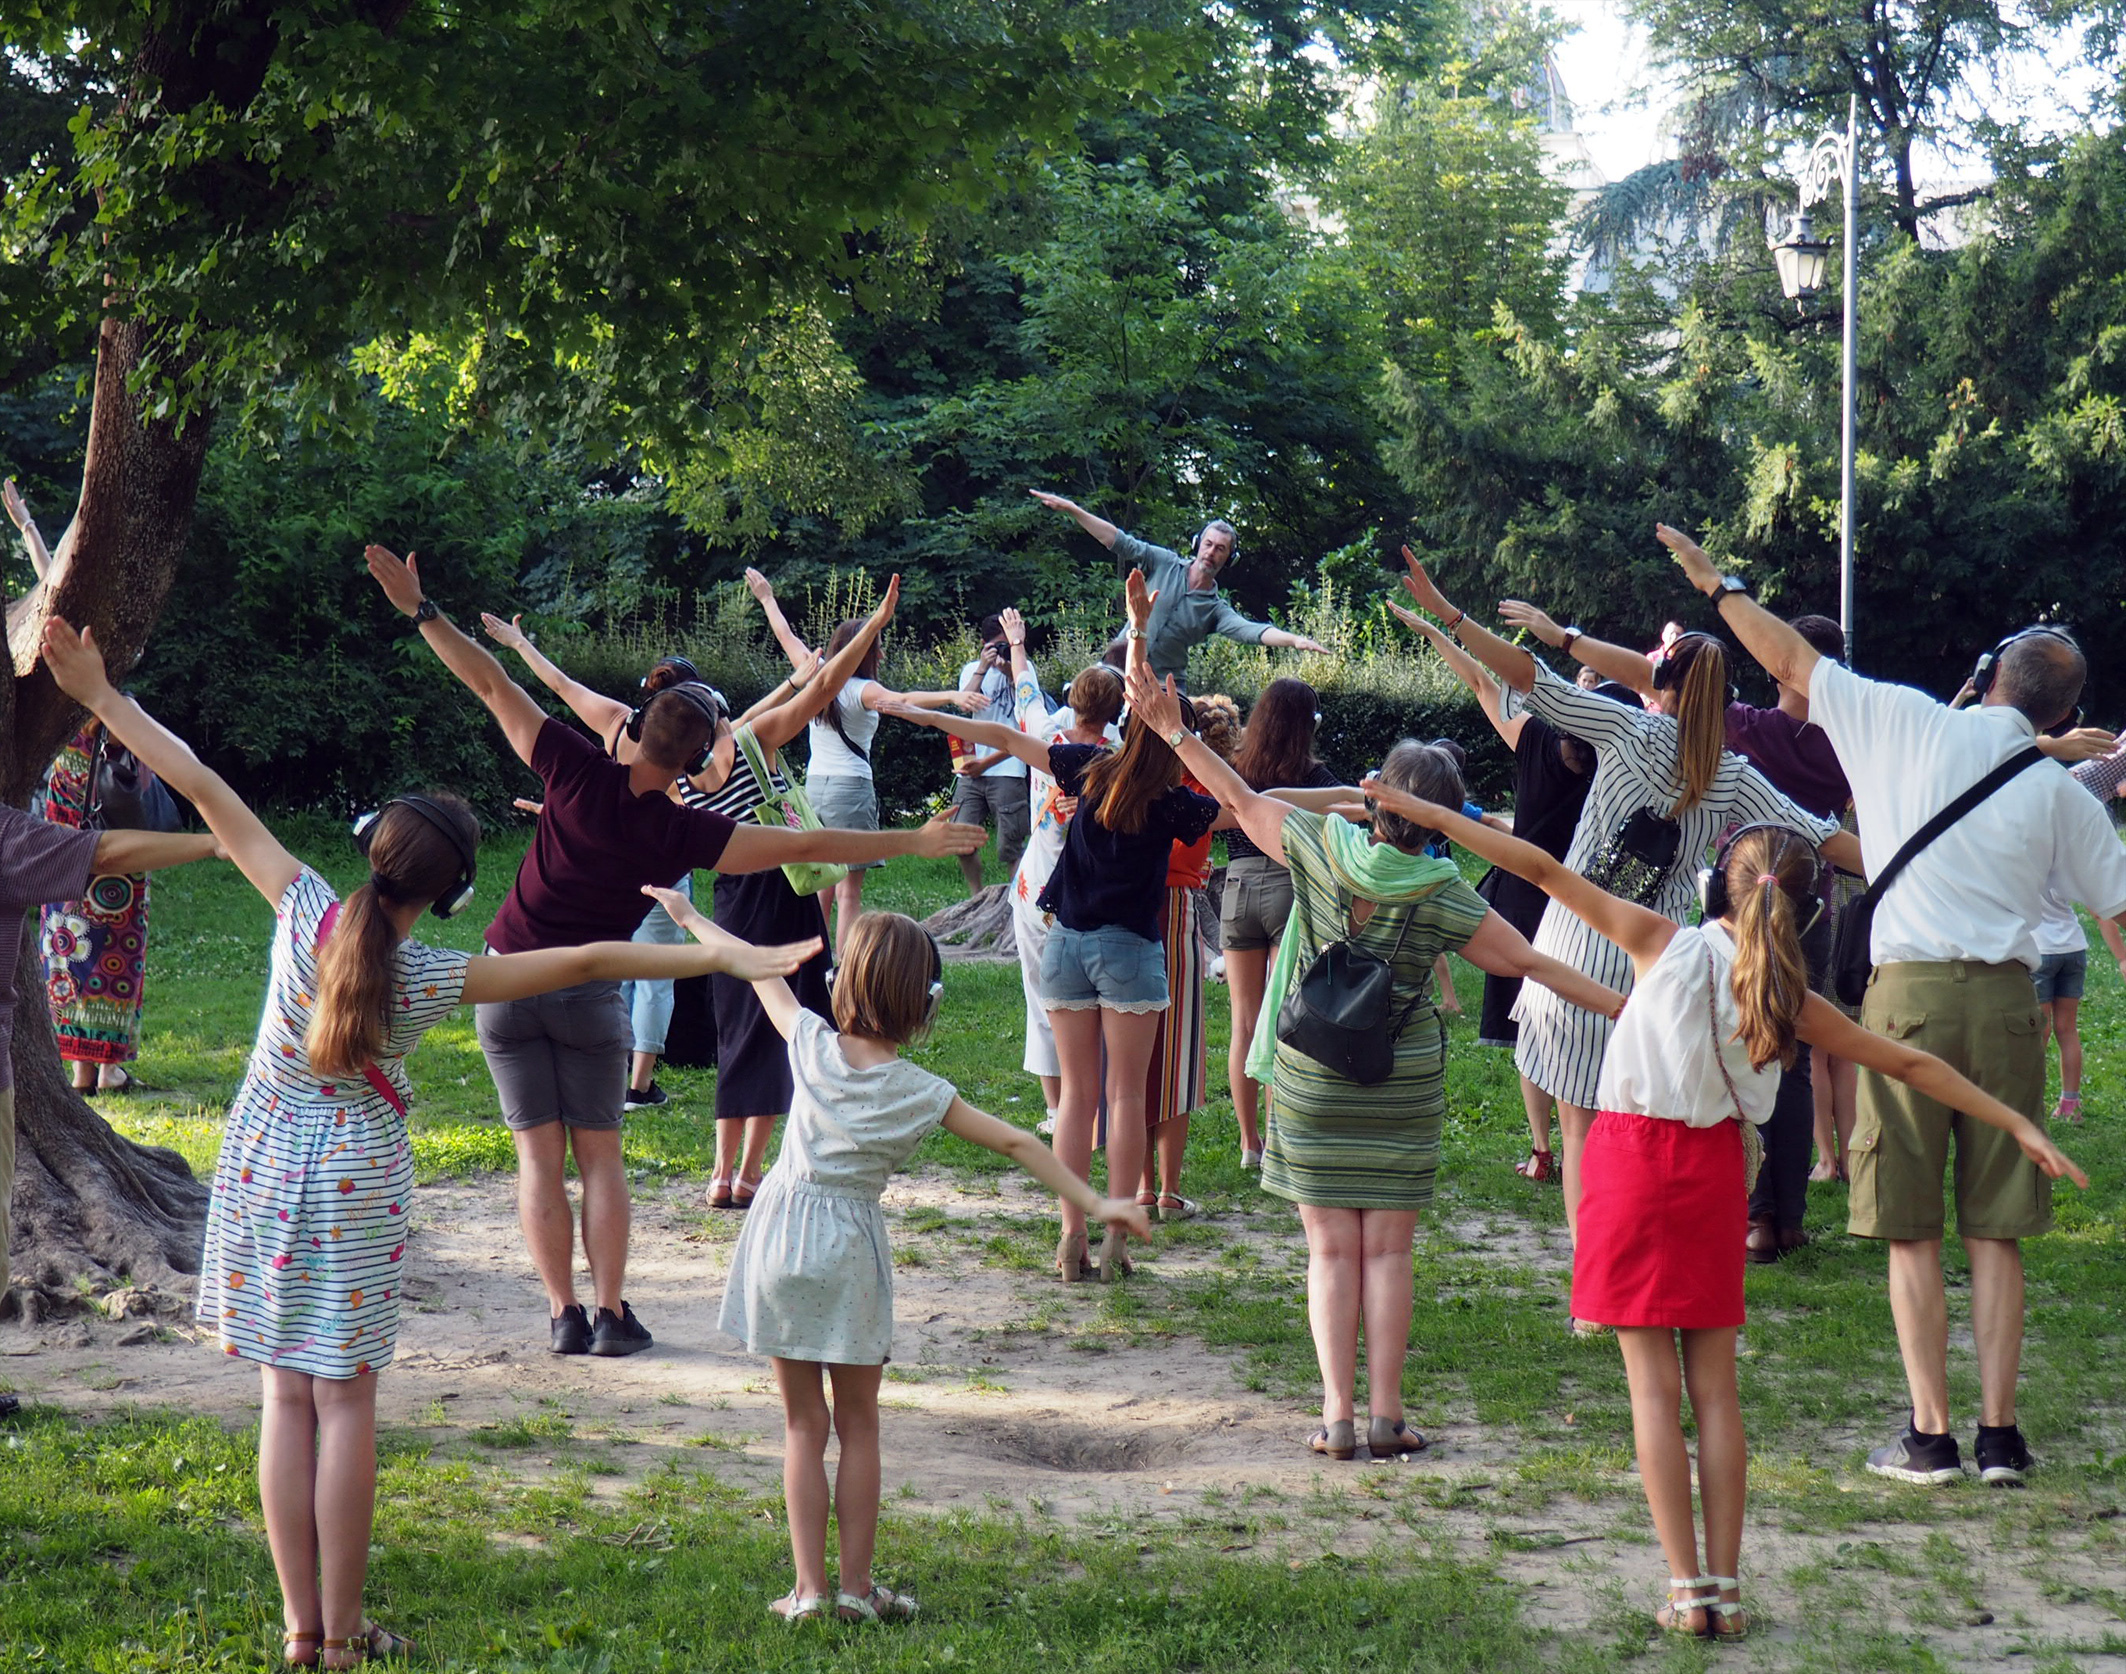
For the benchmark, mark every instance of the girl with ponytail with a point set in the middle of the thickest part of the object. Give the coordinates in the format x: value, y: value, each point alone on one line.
x: 306, y: 1227
x: 1695, y: 1061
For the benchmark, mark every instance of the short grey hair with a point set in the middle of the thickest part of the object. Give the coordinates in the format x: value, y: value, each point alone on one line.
x: 2042, y: 673
x: 1421, y: 770
x: 1219, y: 526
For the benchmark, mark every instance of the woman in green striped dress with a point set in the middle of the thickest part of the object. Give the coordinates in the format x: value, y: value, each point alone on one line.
x: 1359, y: 1160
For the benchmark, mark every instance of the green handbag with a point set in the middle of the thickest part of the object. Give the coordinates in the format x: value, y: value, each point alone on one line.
x: 791, y: 809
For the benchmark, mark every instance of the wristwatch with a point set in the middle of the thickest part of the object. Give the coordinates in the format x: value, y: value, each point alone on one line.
x: 1178, y: 737
x: 425, y: 611
x: 1571, y: 634
x: 1729, y: 584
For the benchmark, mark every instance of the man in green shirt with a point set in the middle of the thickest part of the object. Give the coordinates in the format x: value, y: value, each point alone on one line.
x: 1189, y: 608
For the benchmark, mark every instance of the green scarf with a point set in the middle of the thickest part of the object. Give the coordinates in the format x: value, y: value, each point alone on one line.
x: 1377, y: 872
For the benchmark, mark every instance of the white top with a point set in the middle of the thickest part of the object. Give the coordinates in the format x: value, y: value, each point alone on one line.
x: 1047, y: 828
x: 831, y: 758
x: 850, y: 1128
x: 2060, y: 930
x: 1661, y: 1060
x: 1978, y: 891
x: 996, y: 686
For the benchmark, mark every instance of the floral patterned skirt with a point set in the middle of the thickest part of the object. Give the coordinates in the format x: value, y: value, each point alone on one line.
x: 95, y: 949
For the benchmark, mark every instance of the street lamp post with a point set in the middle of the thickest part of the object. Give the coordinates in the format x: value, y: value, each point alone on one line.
x: 1801, y: 259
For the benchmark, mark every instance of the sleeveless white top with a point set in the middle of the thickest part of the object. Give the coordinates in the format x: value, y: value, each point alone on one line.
x: 1662, y: 1058
x: 830, y: 757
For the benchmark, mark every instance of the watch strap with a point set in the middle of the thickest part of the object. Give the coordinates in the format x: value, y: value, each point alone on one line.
x: 426, y: 611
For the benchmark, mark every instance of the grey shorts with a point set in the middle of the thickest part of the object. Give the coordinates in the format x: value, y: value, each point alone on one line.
x: 999, y: 800
x: 1255, y: 905
x: 845, y: 803
x: 559, y: 1057
x: 2061, y: 976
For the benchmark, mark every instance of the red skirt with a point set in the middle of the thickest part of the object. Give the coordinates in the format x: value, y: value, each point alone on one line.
x: 1663, y: 1217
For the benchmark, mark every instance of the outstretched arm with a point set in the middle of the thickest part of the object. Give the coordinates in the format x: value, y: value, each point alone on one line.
x: 1822, y: 1025
x: 1639, y: 931
x: 1508, y: 661
x: 776, y: 999
x: 594, y: 709
x: 77, y: 666
x: 509, y: 703
x: 1098, y: 527
x: 517, y: 976
x: 1500, y: 949
x: 755, y: 848
x: 1784, y: 654
x: 965, y: 1122
x: 992, y: 734
x: 786, y: 720
x: 1611, y: 662
x: 1261, y: 817
x: 1468, y: 670
x: 799, y: 653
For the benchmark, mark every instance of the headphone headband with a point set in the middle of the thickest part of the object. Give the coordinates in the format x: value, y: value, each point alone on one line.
x: 455, y: 898
x: 1984, y: 671
x: 1713, y: 896
x: 698, y: 692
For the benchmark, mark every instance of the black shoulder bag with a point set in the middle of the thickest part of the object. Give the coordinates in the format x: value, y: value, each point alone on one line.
x: 124, y: 793
x: 1851, y: 960
x: 1337, y: 1012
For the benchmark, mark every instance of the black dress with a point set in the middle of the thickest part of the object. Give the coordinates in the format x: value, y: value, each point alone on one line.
x: 1547, y: 799
x: 753, y: 1061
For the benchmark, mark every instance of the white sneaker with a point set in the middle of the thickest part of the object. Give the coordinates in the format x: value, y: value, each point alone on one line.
x: 1046, y: 1126
x: 1250, y: 1159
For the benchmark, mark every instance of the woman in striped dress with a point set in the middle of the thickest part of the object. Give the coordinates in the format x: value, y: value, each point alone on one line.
x: 1360, y: 1160
x: 1665, y: 786
x: 307, y: 1222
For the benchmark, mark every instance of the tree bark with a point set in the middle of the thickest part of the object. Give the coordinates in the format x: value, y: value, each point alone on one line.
x: 87, y: 1203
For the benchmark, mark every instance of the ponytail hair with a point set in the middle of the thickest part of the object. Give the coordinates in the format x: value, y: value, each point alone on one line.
x: 410, y: 860
x: 1699, y: 665
x: 1771, y: 884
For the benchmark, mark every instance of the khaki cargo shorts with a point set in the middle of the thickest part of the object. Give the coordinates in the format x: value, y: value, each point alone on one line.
x: 1982, y: 1021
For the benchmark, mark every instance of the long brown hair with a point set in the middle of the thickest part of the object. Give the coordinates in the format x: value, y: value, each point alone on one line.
x: 1771, y: 884
x: 1695, y: 668
x: 410, y: 859
x: 1121, y: 786
x: 1278, y: 747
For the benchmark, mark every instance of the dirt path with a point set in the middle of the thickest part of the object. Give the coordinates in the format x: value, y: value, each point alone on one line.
x: 1007, y: 1394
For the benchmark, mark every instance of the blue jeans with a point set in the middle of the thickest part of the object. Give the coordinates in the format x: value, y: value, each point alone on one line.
x: 649, y: 1004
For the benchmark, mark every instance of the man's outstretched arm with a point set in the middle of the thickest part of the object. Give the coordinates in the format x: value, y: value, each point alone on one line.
x: 1784, y: 654
x: 1098, y: 527
x: 508, y: 702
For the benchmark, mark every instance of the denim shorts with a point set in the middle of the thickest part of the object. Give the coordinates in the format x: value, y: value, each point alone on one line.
x: 2062, y: 976
x: 1109, y: 969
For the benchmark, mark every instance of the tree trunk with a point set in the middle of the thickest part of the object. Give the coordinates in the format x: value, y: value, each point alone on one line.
x: 88, y: 1203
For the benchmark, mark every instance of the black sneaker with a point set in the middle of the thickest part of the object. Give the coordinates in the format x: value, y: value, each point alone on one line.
x: 572, y: 1330
x: 2002, y: 1456
x: 10, y: 1405
x: 1914, y: 1457
x: 647, y: 1099
x: 618, y: 1334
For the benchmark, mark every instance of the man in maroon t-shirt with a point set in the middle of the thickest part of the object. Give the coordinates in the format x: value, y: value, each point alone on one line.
x: 40, y: 863
x: 560, y: 1062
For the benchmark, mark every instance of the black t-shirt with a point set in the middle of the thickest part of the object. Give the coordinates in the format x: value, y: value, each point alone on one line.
x: 1240, y: 846
x: 1109, y: 877
x: 1547, y: 799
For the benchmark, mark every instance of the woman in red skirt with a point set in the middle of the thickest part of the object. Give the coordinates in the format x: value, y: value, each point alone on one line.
x: 1713, y: 1017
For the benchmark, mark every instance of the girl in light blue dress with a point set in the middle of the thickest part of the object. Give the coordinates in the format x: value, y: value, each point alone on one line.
x: 811, y: 1282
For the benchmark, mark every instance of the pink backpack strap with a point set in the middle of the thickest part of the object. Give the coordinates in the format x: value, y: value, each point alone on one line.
x: 376, y: 1078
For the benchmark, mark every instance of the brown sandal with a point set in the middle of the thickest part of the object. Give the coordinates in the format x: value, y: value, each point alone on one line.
x: 372, y: 1644
x: 291, y: 1647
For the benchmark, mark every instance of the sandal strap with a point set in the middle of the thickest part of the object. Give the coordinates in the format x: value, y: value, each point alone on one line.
x: 1677, y: 1583
x: 855, y: 1606
x: 1718, y: 1581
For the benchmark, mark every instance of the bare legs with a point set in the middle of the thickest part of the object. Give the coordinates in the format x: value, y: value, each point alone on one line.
x: 1247, y: 975
x: 1358, y: 1272
x: 2062, y: 1018
x: 1918, y: 1305
x: 317, y: 1484
x: 1574, y: 1121
x: 1162, y: 1159
x: 1708, y: 1371
x: 806, y: 1421
x: 742, y: 1149
x: 848, y: 904
x: 1537, y: 1104
x: 1837, y: 1088
x: 549, y: 1226
x: 1128, y: 1036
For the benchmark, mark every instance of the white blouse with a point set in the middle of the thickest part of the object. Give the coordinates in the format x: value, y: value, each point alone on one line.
x: 1662, y: 1058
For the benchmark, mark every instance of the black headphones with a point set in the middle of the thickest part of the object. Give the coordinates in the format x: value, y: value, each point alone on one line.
x: 937, y: 977
x: 1712, y: 885
x: 1670, y: 666
x: 696, y: 691
x: 458, y: 895
x: 1988, y: 666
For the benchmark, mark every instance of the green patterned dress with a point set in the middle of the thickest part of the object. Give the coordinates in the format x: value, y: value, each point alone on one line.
x: 1333, y: 1143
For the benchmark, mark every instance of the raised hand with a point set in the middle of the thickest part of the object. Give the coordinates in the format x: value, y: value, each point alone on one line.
x: 1412, y: 808
x: 1418, y: 584
x: 18, y: 509
x: 1054, y: 502
x: 1697, y: 566
x: 1138, y: 595
x: 942, y: 837
x: 76, y: 663
x: 510, y: 633
x: 399, y: 577
x: 1157, y: 706
x: 1538, y: 622
x: 890, y: 603
x: 679, y: 908
x: 1014, y: 627
x: 759, y: 586
x: 1418, y: 624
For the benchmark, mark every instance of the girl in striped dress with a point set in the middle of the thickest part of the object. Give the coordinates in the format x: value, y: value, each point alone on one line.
x: 307, y: 1223
x: 1665, y: 786
x: 1713, y: 1018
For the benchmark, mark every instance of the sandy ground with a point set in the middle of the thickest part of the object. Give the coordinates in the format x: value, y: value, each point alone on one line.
x: 1006, y: 1396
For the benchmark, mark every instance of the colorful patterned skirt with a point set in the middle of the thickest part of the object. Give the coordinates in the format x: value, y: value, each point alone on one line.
x: 1174, y: 1083
x: 95, y: 949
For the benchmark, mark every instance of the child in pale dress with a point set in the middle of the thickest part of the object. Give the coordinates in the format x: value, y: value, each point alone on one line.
x: 811, y: 1280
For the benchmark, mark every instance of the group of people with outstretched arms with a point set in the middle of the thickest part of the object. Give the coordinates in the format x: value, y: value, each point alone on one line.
x: 1657, y: 922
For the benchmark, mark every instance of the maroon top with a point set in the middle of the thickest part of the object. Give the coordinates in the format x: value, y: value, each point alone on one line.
x: 596, y: 845
x: 38, y: 863
x: 1794, y: 756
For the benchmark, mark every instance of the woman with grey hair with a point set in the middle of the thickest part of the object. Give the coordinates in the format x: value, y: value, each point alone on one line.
x: 1359, y: 1159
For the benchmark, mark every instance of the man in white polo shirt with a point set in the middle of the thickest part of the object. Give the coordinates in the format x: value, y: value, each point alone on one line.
x: 1954, y: 944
